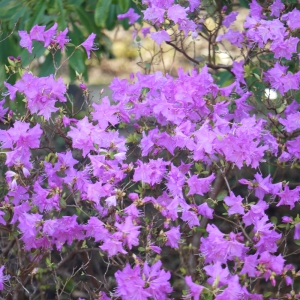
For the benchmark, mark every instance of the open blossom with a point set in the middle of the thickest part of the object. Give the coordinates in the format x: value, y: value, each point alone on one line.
x: 89, y: 45
x: 160, y: 36
x: 131, y: 15
x: 151, y: 282
x: 154, y: 14
x: 130, y: 193
x: 49, y: 35
x: 230, y: 18
x: 37, y: 33
x: 235, y: 204
x: 3, y: 278
x: 26, y: 41
x: 276, y: 8
x: 292, y: 19
x: 62, y: 38
x: 176, y: 12
x: 200, y: 186
x: 173, y: 236
x: 195, y: 289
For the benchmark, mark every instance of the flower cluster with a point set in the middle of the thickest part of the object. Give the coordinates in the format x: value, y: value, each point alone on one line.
x: 195, y: 156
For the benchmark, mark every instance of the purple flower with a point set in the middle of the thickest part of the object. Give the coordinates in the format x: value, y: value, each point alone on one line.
x: 194, y: 4
x: 82, y: 86
x: 255, y: 9
x: 250, y: 264
x: 154, y: 14
x: 37, y: 33
x: 2, y: 221
x: 233, y: 36
x: 235, y: 204
x: 195, y: 289
x: 95, y: 228
x: 256, y: 212
x: 292, y: 19
x: 289, y: 197
x: 176, y: 12
x: 112, y: 246
x: 230, y: 18
x: 49, y: 35
x: 3, y: 278
x: 130, y: 285
x: 293, y: 147
x: 297, y: 232
x: 155, y: 249
x: 276, y: 8
x: 129, y: 232
x: 191, y: 218
x: 89, y: 45
x: 233, y: 290
x: 173, y: 236
x: 12, y: 91
x: 284, y: 47
x: 200, y: 186
x: 151, y: 173
x: 105, y: 113
x: 228, y: 248
x: 62, y: 38
x: 26, y: 41
x: 286, y: 219
x: 131, y: 15
x: 158, y: 280
x: 145, y: 31
x: 205, y: 210
x: 238, y: 70
x: 160, y: 36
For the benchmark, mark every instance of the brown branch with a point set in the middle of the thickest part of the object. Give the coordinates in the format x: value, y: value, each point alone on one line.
x: 210, y: 65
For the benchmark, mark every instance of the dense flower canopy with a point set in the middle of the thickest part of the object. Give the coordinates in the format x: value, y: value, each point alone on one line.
x: 134, y: 198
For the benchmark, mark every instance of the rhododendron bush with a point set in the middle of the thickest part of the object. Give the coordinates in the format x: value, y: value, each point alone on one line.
x: 175, y: 188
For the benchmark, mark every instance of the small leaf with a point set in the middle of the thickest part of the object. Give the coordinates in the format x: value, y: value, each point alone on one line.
x: 247, y: 71
x: 281, y: 225
x: 101, y: 12
x: 274, y: 220
x: 222, y: 195
x: 124, y: 5
x: 141, y: 249
x: 183, y: 271
x: 257, y: 76
x: 267, y: 294
x: 297, y: 242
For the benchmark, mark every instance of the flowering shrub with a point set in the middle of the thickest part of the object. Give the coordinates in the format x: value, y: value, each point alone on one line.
x: 190, y: 182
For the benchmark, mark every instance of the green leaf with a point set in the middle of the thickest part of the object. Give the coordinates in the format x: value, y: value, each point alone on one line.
x: 101, y: 12
x: 274, y: 220
x: 247, y: 71
x: 4, y: 3
x: 141, y: 249
x: 47, y: 67
x: 281, y: 225
x: 182, y: 270
x: 86, y: 20
x: 124, y: 5
x: 61, y: 18
x: 244, y: 3
x: 222, y: 195
x: 198, y: 167
x: 112, y: 17
x: 297, y: 242
x: 257, y: 76
x: 267, y: 294
x: 40, y: 7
